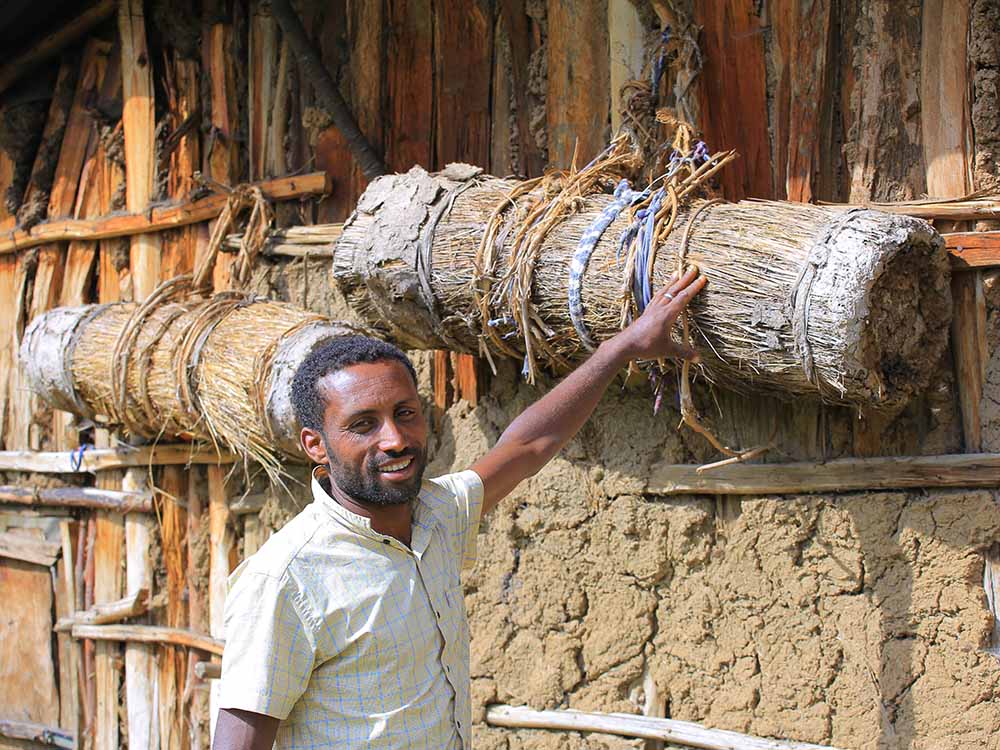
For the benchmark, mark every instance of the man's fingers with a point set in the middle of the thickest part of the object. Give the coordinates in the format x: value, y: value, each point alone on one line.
x: 685, y: 352
x: 678, y: 284
x: 681, y: 297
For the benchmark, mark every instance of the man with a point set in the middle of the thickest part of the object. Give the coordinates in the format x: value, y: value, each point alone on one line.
x: 347, y: 629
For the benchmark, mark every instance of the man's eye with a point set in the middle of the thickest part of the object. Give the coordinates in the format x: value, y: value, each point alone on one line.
x: 362, y: 425
x: 406, y: 412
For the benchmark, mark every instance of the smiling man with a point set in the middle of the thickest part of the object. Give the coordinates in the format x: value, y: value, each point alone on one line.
x: 347, y: 629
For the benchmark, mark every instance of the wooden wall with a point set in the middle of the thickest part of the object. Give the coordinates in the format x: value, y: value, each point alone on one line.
x: 825, y: 100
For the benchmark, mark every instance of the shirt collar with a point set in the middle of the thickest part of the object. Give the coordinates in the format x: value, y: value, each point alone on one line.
x: 421, y: 519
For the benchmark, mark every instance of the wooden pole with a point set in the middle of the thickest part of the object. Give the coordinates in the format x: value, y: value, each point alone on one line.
x: 70, y: 652
x: 841, y: 475
x: 149, y: 634
x: 311, y: 68
x: 76, y: 497
x: 132, y: 605
x: 159, y: 218
x: 106, y: 459
x: 685, y: 733
x: 55, y: 42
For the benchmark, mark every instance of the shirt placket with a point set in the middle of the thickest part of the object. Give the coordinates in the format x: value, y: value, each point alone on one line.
x: 434, y: 583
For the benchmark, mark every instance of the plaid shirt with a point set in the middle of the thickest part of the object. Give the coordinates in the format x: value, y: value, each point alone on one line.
x: 351, y: 638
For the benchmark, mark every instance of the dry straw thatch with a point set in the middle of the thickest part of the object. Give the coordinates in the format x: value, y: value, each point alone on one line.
x: 216, y: 368
x: 852, y: 307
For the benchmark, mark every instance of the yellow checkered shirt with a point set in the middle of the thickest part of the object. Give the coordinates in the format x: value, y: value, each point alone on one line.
x: 349, y: 637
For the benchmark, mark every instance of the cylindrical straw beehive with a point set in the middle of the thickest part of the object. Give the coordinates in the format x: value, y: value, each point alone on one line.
x: 853, y: 306
x: 218, y: 369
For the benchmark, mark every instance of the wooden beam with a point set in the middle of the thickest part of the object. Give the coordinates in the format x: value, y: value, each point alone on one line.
x: 841, y: 475
x: 77, y: 497
x: 157, y: 219
x: 27, y: 549
x: 55, y: 42
x: 685, y: 733
x: 103, y: 614
x: 972, y: 250
x: 150, y: 634
x: 25, y: 730
x: 103, y: 459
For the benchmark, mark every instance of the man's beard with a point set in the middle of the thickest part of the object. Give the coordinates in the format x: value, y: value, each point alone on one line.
x: 364, y: 486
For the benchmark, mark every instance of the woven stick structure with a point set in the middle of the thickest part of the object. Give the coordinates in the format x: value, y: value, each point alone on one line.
x: 852, y: 307
x: 217, y: 368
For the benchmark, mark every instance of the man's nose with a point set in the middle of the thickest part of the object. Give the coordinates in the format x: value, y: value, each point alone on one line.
x: 391, y: 437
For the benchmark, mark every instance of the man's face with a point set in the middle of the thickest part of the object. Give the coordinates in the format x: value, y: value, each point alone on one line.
x: 374, y: 432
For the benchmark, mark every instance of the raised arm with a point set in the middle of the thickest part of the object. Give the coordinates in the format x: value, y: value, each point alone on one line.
x: 244, y: 730
x: 541, y: 430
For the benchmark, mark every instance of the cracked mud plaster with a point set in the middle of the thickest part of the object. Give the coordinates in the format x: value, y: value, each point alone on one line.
x: 855, y: 620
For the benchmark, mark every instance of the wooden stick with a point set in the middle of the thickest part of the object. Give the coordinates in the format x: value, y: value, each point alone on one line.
x: 54, y: 42
x: 841, y: 475
x: 629, y: 725
x: 70, y: 651
x: 103, y: 459
x: 77, y: 497
x: 27, y: 549
x: 159, y: 218
x: 207, y: 670
x: 103, y: 614
x: 969, y: 208
x: 311, y: 69
x: 25, y: 730
x: 150, y: 634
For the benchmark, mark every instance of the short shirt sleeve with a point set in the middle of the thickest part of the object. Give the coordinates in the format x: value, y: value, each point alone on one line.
x: 463, y: 521
x: 270, y: 647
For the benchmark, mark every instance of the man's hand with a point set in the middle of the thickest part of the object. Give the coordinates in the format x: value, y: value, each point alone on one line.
x: 650, y: 336
x: 542, y: 429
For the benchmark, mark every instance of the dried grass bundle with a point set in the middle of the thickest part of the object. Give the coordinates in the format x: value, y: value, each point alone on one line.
x: 216, y: 369
x: 853, y: 307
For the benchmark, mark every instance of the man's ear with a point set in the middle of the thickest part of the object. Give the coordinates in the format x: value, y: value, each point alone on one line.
x: 314, y: 446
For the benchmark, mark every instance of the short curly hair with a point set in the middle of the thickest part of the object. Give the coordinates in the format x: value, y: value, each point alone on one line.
x: 331, y: 357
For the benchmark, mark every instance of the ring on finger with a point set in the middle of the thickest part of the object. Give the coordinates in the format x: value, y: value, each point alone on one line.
x: 668, y: 295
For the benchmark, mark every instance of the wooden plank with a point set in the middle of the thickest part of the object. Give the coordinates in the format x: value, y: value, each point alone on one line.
x: 800, y: 54
x: 160, y: 218
x: 517, y: 27
x: 684, y: 733
x: 172, y: 661
x: 578, y: 96
x: 221, y: 152
x: 263, y: 53
x: 972, y: 250
x: 69, y: 650
x: 183, y: 99
x: 46, y: 735
x: 197, y: 589
x: 367, y: 39
x: 108, y: 550
x: 104, y: 459
x: 28, y: 549
x: 969, y: 349
x: 842, y: 475
x: 27, y: 672
x: 732, y: 94
x: 139, y: 122
x: 409, y: 84
x: 626, y: 42
x: 945, y: 110
x: 221, y: 540
x: 18, y: 423
x: 55, y: 41
x: 149, y: 634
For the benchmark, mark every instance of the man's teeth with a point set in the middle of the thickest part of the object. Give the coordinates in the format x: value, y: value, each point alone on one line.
x: 395, y: 465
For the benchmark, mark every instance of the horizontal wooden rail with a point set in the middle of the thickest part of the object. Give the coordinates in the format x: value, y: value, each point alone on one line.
x: 149, y: 634
x: 968, y: 208
x: 77, y: 497
x: 102, y: 459
x: 158, y: 218
x: 39, y: 733
x: 108, y: 612
x: 685, y: 733
x: 841, y: 475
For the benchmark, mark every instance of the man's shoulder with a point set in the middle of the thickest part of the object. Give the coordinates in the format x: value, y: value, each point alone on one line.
x: 284, y: 546
x: 447, y: 487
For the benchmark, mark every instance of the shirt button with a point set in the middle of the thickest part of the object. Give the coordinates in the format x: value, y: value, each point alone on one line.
x: 447, y: 668
x: 386, y: 541
x: 458, y: 724
x: 438, y: 613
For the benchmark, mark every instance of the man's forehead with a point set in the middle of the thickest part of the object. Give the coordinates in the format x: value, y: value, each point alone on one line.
x: 367, y: 385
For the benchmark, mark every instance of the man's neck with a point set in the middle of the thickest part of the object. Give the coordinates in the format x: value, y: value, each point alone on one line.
x: 392, y: 520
